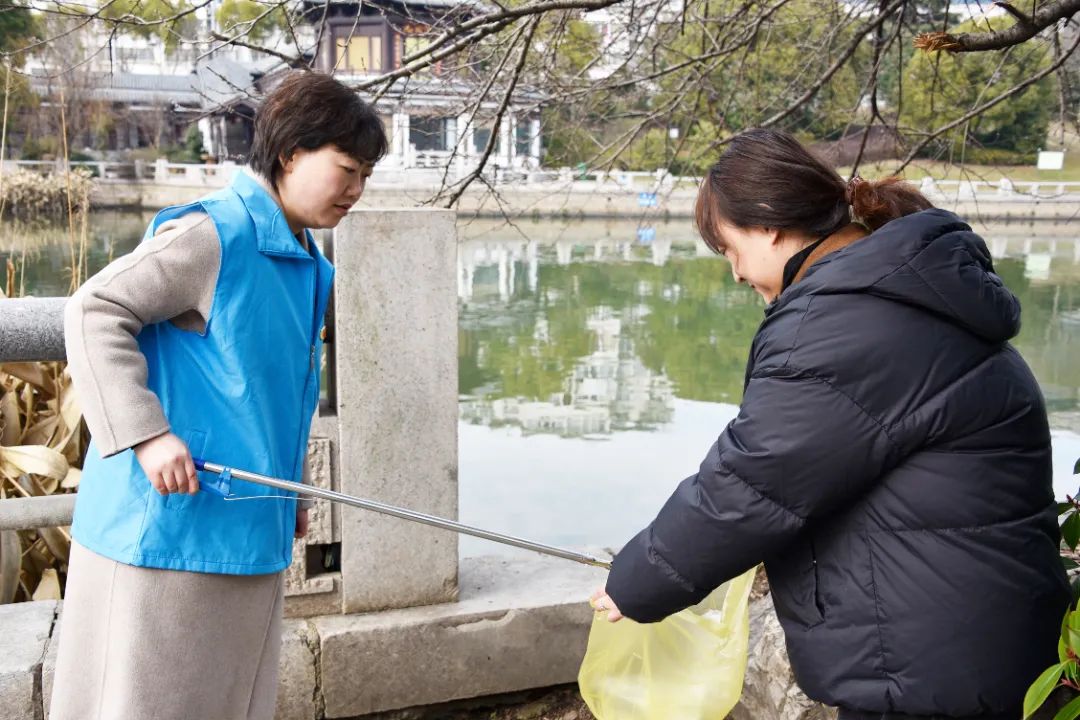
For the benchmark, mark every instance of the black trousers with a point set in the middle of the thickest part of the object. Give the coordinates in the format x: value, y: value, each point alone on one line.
x: 846, y: 714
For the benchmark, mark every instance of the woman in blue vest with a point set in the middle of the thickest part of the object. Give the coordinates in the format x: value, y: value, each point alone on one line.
x: 204, y: 341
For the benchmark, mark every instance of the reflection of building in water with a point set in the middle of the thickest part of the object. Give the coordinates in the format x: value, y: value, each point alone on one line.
x: 1065, y: 420
x: 1037, y: 252
x: 609, y: 389
x: 1050, y: 265
x: 504, y: 256
x: 537, y: 416
x: 613, y: 377
x: 607, y: 249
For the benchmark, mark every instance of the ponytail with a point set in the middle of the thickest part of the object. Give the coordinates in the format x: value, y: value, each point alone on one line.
x: 876, y: 202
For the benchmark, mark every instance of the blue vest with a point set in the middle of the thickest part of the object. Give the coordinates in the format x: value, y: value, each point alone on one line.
x: 242, y: 393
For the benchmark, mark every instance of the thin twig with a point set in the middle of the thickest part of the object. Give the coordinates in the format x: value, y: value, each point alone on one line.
x: 489, y: 148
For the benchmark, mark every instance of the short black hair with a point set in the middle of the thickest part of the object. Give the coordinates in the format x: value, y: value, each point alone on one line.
x: 308, y: 110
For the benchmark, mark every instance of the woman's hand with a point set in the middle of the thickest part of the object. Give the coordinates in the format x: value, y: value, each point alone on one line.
x: 301, y: 523
x: 167, y: 462
x: 602, y: 602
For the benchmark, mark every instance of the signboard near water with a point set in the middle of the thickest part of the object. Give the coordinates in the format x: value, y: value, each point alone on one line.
x: 1051, y: 160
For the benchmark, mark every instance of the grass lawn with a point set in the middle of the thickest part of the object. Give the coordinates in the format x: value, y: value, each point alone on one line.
x: 957, y: 170
x: 993, y: 173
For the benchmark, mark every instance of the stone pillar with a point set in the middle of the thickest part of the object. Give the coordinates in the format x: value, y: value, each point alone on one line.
x: 399, y: 138
x: 511, y: 155
x: 506, y: 142
x: 535, y: 149
x: 205, y: 126
x: 396, y: 353
x: 464, y: 161
x: 451, y: 124
x: 27, y: 627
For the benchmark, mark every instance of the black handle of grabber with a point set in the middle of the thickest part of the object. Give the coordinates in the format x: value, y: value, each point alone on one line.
x: 221, y: 487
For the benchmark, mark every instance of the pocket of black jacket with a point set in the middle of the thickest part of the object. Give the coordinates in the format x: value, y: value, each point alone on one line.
x: 793, y: 579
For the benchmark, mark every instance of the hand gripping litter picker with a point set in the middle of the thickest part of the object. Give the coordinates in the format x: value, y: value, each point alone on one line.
x: 222, y: 485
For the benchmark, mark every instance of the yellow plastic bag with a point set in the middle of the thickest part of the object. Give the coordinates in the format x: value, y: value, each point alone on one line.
x: 689, y: 666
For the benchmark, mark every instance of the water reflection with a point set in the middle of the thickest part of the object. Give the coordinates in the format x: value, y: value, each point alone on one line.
x: 538, y: 319
x: 609, y: 389
x: 652, y: 318
x: 41, y: 258
x: 600, y: 331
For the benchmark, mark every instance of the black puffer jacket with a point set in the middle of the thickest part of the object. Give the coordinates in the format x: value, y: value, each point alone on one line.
x: 890, y: 464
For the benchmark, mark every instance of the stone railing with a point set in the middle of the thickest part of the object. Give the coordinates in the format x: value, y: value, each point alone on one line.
x: 429, y: 169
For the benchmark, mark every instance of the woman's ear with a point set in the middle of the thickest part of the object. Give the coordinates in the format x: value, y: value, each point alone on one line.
x: 286, y: 161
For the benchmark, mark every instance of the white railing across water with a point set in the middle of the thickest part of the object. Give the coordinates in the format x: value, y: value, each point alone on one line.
x: 159, y: 171
x: 1003, y: 189
x: 432, y: 168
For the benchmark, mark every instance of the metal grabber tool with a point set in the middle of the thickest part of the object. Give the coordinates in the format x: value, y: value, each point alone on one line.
x: 222, y: 485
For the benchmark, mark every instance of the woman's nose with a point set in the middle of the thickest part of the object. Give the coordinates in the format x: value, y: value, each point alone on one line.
x: 735, y: 274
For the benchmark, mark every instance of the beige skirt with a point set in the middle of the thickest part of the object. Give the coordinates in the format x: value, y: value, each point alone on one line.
x: 151, y: 644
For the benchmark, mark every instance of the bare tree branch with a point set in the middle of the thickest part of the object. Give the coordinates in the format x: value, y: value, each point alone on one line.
x: 612, y: 96
x: 322, y: 27
x: 1025, y: 28
x: 126, y: 19
x: 737, y: 44
x: 881, y: 48
x: 464, y: 185
x: 501, y: 17
x: 860, y: 36
x: 236, y: 41
x: 475, y: 107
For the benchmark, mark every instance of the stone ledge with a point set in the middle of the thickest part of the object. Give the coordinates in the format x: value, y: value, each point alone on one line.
x: 519, y: 623
x: 23, y: 642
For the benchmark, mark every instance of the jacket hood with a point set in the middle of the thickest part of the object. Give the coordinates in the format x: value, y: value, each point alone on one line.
x: 931, y: 260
